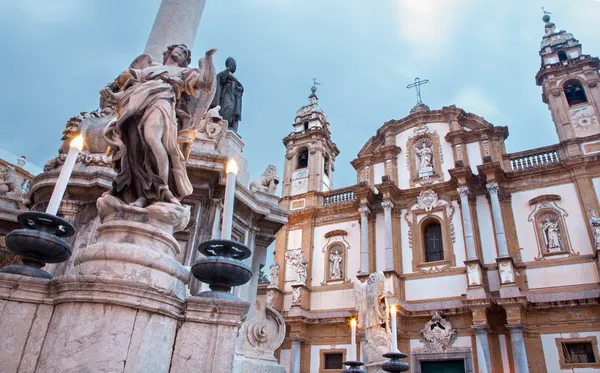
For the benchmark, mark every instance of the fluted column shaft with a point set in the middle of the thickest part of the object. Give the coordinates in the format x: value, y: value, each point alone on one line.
x: 295, y: 358
x: 389, y: 250
x: 518, y: 348
x: 465, y: 208
x: 498, y: 222
x: 483, y: 348
x: 364, y: 239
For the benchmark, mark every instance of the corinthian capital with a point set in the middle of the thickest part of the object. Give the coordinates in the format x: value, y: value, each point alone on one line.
x: 492, y: 188
x: 387, y: 205
x: 463, y: 191
x: 364, y: 211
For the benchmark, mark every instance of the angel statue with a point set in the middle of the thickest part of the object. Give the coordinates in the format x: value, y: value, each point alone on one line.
x: 372, y: 307
x: 159, y: 108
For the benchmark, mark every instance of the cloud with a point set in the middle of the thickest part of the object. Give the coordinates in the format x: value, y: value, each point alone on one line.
x: 473, y: 99
x: 428, y: 26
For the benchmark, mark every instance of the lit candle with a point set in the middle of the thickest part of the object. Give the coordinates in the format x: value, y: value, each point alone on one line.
x: 65, y: 175
x: 232, y: 170
x: 394, y: 334
x: 352, y: 356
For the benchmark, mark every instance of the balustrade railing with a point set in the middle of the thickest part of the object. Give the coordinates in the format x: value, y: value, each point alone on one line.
x: 338, y: 198
x: 532, y: 158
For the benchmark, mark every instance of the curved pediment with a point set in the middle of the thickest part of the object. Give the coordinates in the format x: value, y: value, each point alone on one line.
x: 457, y: 119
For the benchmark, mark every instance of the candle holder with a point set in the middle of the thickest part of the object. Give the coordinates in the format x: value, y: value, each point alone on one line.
x: 353, y: 367
x: 395, y: 365
x: 38, y: 243
x: 222, y: 267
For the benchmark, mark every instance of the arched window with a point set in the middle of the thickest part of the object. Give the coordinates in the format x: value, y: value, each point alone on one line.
x: 562, y: 56
x: 302, y: 158
x: 326, y: 166
x: 574, y: 92
x: 306, y: 125
x: 432, y: 237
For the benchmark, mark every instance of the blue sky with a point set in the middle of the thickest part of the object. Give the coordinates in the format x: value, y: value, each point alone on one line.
x: 480, y: 55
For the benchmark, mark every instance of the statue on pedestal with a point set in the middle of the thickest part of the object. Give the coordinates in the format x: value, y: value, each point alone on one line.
x: 229, y: 95
x: 157, y: 109
x: 371, y: 302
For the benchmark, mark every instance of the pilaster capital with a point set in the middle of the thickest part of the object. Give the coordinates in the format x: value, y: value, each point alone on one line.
x: 515, y: 328
x: 480, y: 328
x: 492, y: 188
x: 387, y: 206
x: 364, y: 211
x: 463, y: 191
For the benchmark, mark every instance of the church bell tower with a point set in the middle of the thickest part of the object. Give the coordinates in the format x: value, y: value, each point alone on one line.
x: 309, y: 157
x: 569, y: 81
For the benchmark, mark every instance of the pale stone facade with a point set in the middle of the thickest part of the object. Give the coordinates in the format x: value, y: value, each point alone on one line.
x: 492, y: 258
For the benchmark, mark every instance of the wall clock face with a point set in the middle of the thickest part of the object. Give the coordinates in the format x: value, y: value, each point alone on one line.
x: 584, y: 118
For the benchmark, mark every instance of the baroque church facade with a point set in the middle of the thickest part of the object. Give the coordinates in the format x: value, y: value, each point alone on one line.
x: 491, y: 258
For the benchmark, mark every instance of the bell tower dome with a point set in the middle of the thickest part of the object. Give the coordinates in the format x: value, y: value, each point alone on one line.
x: 310, y: 153
x: 569, y: 81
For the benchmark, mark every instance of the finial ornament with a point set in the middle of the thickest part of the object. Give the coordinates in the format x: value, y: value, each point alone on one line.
x: 313, y: 89
x: 546, y: 17
x: 417, y: 85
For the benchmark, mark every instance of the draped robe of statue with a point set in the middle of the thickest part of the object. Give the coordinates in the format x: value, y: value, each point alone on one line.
x: 150, y: 93
x: 229, y: 96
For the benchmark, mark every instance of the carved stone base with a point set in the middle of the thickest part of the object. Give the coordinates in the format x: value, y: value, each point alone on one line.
x: 137, y: 245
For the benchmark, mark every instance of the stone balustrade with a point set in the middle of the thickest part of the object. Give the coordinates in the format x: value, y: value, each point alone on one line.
x: 532, y: 159
x: 338, y: 197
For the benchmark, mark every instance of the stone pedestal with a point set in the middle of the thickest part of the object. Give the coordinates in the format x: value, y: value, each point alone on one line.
x: 122, y: 308
x: 232, y: 146
x: 206, y: 340
x: 120, y: 304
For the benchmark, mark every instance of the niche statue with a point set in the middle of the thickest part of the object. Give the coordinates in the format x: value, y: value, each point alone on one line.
x: 229, y: 95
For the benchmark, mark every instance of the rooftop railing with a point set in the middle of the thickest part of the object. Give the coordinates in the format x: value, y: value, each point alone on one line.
x: 534, y: 158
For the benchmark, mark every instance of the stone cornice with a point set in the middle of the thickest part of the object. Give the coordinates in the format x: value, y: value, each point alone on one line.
x: 572, y: 64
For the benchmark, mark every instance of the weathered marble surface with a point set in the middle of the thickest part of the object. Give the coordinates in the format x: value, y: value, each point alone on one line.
x: 206, y: 340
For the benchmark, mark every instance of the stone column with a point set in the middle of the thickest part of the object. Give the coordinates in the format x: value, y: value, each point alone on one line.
x: 389, y: 250
x: 498, y: 222
x: 177, y: 22
x: 465, y: 208
x: 295, y: 356
x: 483, y: 348
x: 364, y: 239
x: 518, y: 348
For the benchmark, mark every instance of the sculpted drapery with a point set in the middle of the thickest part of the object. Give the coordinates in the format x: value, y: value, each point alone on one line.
x: 157, y: 107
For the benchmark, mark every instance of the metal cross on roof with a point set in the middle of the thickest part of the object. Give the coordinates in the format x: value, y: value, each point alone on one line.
x: 315, y: 83
x: 545, y: 11
x: 417, y: 85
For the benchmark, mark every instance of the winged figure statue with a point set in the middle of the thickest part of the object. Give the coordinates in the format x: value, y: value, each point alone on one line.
x: 158, y: 110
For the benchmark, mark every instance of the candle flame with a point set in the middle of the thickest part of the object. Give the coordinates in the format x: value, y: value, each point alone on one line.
x: 77, y: 142
x: 353, y: 323
x: 232, y: 166
x: 393, y: 309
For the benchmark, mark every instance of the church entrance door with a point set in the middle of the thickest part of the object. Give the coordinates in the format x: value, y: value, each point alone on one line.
x: 447, y: 366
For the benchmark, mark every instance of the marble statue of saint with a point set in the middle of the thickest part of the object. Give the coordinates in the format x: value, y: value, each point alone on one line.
x: 335, y: 264
x: 274, y: 274
x: 229, y: 95
x: 154, y: 104
x: 301, y: 268
x: 425, y: 157
x: 296, y: 295
x: 551, y: 235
